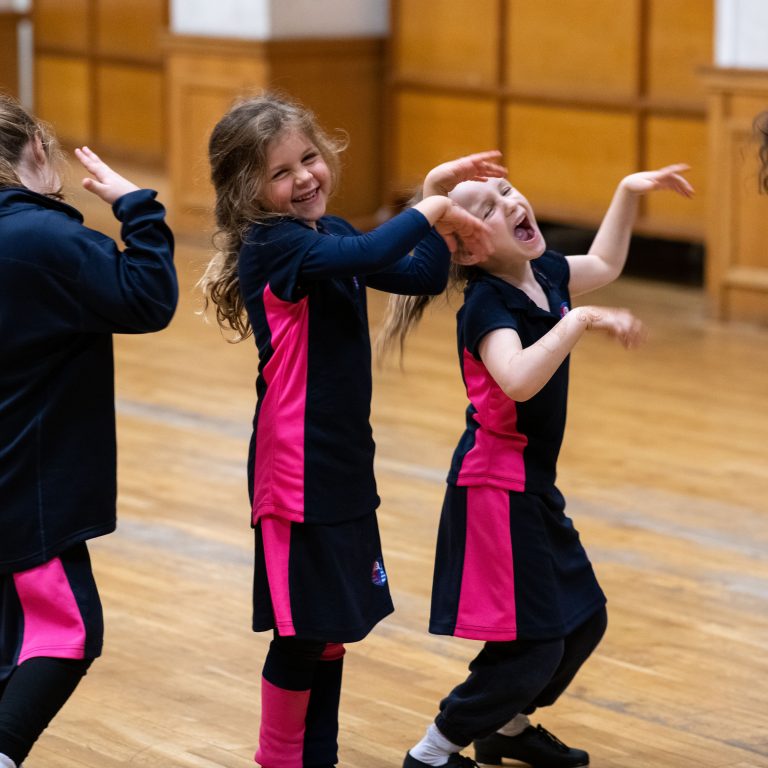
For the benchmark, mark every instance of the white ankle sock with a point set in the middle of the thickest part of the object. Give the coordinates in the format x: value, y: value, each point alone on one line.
x: 434, y: 748
x: 515, y: 726
x: 6, y: 762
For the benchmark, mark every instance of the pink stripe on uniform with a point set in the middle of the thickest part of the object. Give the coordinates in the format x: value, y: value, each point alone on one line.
x: 487, y: 609
x: 53, y: 625
x: 496, y: 458
x: 276, y: 535
x: 279, y: 472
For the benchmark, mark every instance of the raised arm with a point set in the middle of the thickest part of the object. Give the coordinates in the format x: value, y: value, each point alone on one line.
x: 103, y: 181
x: 607, y: 255
x: 523, y: 372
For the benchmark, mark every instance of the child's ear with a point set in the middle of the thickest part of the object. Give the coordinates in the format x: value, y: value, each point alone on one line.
x: 38, y: 151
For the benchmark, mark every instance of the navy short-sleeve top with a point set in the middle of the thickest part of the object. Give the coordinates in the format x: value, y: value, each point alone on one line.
x: 312, y: 449
x: 508, y: 444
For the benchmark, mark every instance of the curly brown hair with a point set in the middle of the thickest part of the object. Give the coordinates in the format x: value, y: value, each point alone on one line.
x: 237, y: 152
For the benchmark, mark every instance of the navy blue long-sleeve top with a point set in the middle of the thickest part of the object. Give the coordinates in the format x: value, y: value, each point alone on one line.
x: 311, y: 454
x: 64, y: 290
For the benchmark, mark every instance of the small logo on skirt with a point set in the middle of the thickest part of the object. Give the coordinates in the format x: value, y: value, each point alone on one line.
x: 378, y: 574
x: 564, y: 309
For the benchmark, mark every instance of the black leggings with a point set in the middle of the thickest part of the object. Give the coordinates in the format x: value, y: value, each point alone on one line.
x: 30, y: 697
x: 512, y: 677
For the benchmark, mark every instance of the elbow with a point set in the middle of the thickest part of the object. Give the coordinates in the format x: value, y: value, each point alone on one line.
x: 520, y: 391
x: 158, y: 312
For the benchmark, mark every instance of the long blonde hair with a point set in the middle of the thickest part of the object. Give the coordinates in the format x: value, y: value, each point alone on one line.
x: 17, y: 129
x: 237, y: 152
x: 404, y: 313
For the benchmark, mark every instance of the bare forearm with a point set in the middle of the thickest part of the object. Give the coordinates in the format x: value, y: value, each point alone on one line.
x: 611, y: 243
x: 527, y: 370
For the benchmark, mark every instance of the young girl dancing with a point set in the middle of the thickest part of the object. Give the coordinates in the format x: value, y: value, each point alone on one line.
x: 64, y: 290
x: 510, y: 570
x: 296, y: 278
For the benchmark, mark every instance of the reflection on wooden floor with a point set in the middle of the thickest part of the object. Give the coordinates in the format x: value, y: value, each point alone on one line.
x: 665, y: 472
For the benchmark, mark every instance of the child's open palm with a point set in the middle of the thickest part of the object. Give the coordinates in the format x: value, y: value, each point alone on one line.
x: 106, y: 183
x: 668, y: 177
x: 477, y: 167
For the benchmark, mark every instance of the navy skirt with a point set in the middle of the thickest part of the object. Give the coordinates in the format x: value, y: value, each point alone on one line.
x: 319, y: 582
x: 51, y: 610
x: 509, y: 565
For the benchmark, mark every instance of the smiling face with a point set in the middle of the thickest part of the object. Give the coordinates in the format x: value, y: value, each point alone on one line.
x: 514, y: 232
x: 298, y: 180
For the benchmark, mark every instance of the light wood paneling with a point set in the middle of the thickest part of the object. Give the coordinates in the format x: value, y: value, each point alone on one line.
x: 680, y: 40
x: 102, y: 40
x: 63, y: 96
x: 621, y: 60
x: 580, y: 49
x: 62, y: 25
x: 677, y: 140
x: 131, y: 30
x: 434, y: 128
x: 457, y: 44
x: 9, y: 52
x: 737, y: 261
x: 130, y: 116
x: 587, y: 153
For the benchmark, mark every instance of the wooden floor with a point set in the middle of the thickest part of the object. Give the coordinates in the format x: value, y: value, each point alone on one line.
x: 666, y: 475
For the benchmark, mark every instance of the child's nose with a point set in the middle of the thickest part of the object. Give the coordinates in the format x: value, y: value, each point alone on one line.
x: 303, y: 174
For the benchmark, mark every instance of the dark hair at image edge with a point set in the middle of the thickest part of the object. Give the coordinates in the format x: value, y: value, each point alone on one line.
x: 761, y: 131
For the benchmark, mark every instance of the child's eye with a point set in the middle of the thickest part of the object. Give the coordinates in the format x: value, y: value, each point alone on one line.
x: 310, y: 157
x: 488, y: 211
x: 506, y: 191
x: 279, y: 174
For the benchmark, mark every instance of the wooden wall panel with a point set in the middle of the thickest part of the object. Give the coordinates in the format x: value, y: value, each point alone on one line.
x: 677, y: 140
x: 624, y: 65
x: 9, y: 53
x: 129, y: 121
x: 434, y: 128
x: 579, y: 49
x: 62, y: 24
x: 80, y: 45
x: 680, y: 41
x: 63, y: 96
x: 131, y: 30
x: 567, y: 161
x: 737, y: 260
x: 458, y: 44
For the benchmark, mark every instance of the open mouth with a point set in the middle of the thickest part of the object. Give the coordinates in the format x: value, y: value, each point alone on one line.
x: 307, y: 197
x: 524, y: 231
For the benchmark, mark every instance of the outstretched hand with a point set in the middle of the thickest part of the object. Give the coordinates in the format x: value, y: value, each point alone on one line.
x: 458, y: 224
x: 668, y: 177
x: 105, y: 183
x: 477, y: 167
x: 618, y: 323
